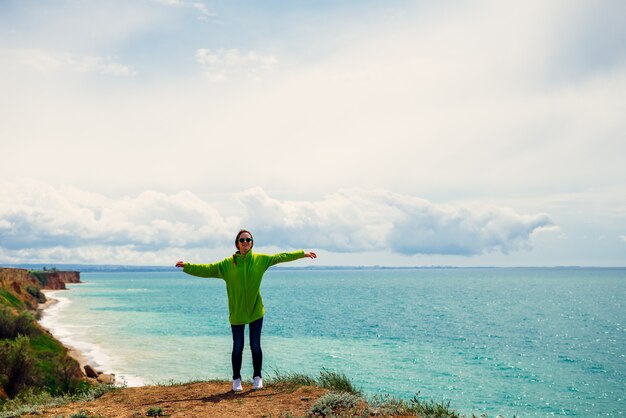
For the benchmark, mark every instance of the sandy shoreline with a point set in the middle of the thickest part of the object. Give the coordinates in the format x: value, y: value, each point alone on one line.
x: 84, y: 358
x: 76, y: 354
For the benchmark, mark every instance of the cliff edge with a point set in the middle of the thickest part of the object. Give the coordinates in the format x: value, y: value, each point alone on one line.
x: 21, y: 287
x: 55, y: 280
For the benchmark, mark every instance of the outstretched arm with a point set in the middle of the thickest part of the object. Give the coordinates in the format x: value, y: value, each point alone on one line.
x: 285, y: 257
x: 201, y: 270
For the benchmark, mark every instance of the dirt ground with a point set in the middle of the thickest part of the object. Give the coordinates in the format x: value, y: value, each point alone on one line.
x: 203, y: 399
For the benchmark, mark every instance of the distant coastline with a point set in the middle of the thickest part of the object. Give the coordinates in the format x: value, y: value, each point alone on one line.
x: 104, y: 268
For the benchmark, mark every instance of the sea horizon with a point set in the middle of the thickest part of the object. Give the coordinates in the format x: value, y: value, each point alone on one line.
x: 88, y: 268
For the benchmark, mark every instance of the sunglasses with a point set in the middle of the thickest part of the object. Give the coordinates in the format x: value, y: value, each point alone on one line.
x: 242, y: 240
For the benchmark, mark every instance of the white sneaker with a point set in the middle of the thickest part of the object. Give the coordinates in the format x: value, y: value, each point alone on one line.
x: 237, y: 385
x: 258, y: 383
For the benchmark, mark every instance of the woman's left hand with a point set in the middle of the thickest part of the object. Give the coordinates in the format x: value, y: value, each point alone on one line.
x: 310, y: 255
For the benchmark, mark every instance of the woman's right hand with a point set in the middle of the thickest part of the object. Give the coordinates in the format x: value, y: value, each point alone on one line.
x: 180, y: 264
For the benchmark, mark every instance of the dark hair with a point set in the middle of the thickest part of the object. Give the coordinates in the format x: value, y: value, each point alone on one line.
x: 241, y: 231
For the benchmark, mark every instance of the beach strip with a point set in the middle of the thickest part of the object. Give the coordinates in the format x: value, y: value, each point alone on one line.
x: 43, y: 310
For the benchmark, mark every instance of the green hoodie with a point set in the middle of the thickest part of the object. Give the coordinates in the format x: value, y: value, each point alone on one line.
x: 243, y: 281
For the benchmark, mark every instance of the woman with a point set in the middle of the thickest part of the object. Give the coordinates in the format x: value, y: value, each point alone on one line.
x: 243, y: 273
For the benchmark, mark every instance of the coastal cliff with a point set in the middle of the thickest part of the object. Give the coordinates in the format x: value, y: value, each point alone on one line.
x: 23, y: 284
x: 52, y: 279
x: 30, y: 357
x: 21, y: 288
x: 56, y: 280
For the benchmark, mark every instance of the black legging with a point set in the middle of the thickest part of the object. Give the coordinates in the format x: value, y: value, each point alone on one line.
x: 255, y: 346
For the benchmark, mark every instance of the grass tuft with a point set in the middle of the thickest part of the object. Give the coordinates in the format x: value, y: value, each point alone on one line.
x: 337, y: 382
x: 432, y: 409
x: 334, y: 381
x: 289, y: 380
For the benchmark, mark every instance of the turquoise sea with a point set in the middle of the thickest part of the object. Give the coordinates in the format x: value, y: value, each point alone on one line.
x: 515, y: 341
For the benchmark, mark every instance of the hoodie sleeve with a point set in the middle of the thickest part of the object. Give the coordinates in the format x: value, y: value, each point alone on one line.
x: 204, y: 270
x: 285, y: 257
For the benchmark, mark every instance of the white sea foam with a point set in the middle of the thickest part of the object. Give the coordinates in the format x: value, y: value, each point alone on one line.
x: 66, y: 333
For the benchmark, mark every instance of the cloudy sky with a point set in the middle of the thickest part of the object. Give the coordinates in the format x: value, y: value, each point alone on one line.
x: 374, y: 132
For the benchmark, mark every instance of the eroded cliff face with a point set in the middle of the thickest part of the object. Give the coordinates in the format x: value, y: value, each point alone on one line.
x: 17, y: 282
x: 25, y: 286
x: 57, y: 279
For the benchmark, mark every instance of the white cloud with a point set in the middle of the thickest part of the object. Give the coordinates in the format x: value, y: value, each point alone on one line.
x: 61, y: 222
x: 44, y: 61
x: 46, y: 217
x: 224, y: 64
x: 202, y: 8
x: 622, y: 237
x: 358, y: 220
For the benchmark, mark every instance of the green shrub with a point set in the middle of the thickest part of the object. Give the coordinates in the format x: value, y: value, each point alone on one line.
x: 155, y: 411
x: 12, y: 325
x: 26, y: 402
x: 36, y: 292
x: 25, y: 324
x: 7, y: 322
x: 37, y: 360
x: 66, y: 375
x: 387, y: 405
x: 335, y: 404
x: 31, y: 400
x: 17, y: 365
